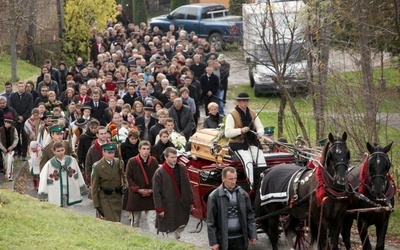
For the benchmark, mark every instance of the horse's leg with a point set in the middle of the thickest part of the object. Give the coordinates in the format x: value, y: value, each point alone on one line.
x: 381, y: 229
x: 363, y: 232
x: 346, y: 231
x: 272, y: 231
x: 334, y: 232
x: 323, y: 242
x: 290, y: 231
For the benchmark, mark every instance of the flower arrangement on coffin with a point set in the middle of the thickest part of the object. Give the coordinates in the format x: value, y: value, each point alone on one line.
x: 220, y: 138
x: 178, y: 140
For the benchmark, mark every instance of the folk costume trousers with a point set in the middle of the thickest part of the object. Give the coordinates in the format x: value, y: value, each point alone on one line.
x: 250, y: 158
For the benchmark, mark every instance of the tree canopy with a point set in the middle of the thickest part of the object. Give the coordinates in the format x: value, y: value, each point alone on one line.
x: 80, y: 19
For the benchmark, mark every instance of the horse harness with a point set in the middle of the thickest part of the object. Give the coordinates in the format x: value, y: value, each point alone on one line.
x: 366, y: 196
x: 299, y: 181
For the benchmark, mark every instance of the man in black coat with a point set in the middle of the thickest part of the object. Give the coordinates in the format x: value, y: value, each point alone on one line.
x: 97, y: 106
x: 197, y: 67
x: 209, y: 86
x: 130, y: 97
x: 145, y: 122
x: 86, y: 140
x: 22, y: 102
x: 182, y: 115
x: 44, y: 90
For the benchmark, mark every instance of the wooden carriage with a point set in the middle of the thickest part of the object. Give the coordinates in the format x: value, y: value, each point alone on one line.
x: 208, y: 157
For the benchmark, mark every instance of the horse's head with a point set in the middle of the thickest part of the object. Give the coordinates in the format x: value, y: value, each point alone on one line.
x: 337, y: 158
x: 378, y: 168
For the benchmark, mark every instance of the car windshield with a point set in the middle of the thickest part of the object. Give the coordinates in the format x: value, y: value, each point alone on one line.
x: 296, y: 50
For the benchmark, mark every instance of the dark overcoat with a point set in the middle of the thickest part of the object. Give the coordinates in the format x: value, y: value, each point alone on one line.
x: 183, y: 123
x: 140, y: 176
x: 106, y: 176
x: 168, y: 199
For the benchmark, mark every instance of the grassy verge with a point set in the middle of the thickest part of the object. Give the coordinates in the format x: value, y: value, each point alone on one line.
x: 24, y: 70
x: 27, y: 223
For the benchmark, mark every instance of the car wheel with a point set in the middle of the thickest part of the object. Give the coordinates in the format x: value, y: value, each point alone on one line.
x: 216, y: 40
x: 256, y: 92
x: 251, y: 77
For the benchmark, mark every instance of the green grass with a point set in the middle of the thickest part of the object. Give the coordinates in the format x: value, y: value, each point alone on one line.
x: 394, y: 223
x: 27, y: 223
x: 25, y: 70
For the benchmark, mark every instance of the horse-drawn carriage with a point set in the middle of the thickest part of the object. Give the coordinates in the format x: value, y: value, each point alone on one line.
x: 317, y: 198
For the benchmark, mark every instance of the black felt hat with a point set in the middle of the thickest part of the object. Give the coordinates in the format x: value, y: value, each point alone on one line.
x: 243, y: 96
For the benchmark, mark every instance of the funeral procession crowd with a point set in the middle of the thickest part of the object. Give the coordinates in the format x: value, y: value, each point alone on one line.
x: 112, y: 127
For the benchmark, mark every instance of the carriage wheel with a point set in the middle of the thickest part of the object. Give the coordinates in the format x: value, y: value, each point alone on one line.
x: 302, y: 241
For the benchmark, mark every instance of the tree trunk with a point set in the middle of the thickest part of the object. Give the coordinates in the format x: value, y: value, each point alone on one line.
x: 366, y: 67
x: 13, y: 52
x: 324, y: 48
x: 281, y: 113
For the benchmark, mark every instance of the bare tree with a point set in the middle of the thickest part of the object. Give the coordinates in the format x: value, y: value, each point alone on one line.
x: 275, y: 45
x: 17, y: 15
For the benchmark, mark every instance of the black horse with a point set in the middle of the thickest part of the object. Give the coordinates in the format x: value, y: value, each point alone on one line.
x: 373, y: 181
x: 315, y: 195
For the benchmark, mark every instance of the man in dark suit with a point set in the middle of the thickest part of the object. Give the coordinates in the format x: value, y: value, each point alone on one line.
x: 209, y: 85
x: 184, y: 122
x: 197, y: 67
x: 131, y: 95
x: 145, y: 122
x: 97, y: 106
x: 144, y: 95
x: 22, y: 102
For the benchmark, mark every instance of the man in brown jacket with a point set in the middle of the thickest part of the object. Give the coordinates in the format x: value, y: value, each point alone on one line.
x: 172, y: 195
x: 139, y: 173
x: 108, y: 184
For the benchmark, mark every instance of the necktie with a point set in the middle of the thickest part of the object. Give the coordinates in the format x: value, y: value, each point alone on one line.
x: 96, y: 105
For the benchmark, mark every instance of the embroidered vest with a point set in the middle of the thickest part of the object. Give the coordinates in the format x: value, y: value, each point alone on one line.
x: 238, y: 124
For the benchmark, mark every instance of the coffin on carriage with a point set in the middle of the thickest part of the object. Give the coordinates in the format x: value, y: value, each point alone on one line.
x: 206, y: 160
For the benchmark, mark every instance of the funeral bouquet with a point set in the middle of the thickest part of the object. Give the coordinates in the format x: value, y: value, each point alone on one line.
x: 178, y: 140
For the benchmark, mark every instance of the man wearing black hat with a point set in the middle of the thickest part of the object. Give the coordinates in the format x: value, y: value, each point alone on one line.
x: 145, y: 122
x: 243, y: 128
x: 86, y: 140
x: 44, y: 137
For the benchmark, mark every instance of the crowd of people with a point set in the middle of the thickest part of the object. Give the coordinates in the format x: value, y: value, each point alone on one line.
x: 111, y: 127
x: 103, y: 126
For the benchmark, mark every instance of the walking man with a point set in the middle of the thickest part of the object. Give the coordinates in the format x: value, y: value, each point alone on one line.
x: 139, y: 173
x: 243, y: 128
x: 172, y: 195
x: 230, y: 217
x: 108, y: 184
x: 61, y: 181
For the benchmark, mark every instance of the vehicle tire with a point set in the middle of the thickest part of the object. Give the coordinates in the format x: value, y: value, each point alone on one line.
x: 216, y: 40
x: 256, y: 92
x: 251, y: 77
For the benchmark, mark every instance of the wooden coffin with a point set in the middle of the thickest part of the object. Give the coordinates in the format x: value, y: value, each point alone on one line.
x: 204, y: 140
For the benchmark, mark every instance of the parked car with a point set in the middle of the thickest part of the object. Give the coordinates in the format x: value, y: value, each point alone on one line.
x: 210, y: 21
